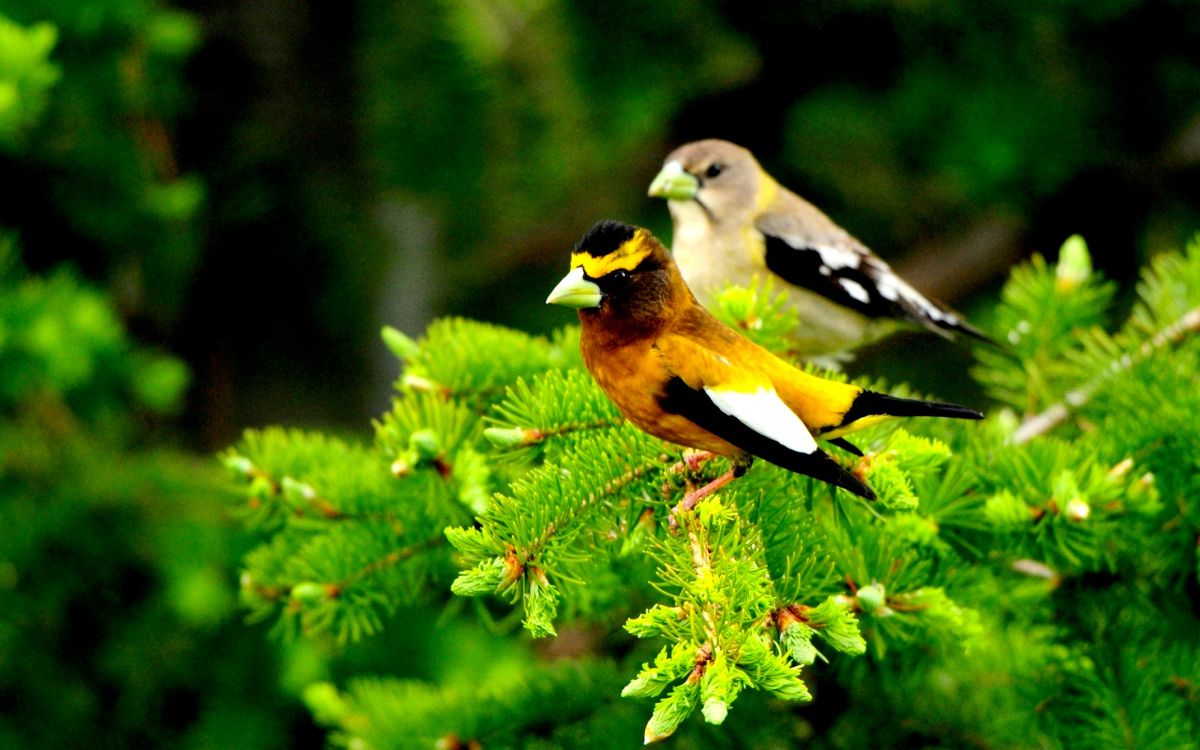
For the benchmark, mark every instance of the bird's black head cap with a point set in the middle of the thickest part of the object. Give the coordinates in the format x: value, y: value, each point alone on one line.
x: 604, y: 237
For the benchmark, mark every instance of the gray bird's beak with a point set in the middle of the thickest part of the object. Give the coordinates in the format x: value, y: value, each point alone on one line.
x: 674, y: 184
x: 575, y: 291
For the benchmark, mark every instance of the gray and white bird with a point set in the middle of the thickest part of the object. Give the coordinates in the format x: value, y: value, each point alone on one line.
x: 734, y: 224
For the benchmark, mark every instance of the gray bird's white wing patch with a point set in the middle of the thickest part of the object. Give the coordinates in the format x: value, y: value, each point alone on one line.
x: 834, y: 265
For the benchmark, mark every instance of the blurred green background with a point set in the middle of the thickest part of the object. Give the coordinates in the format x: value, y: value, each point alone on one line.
x: 211, y: 208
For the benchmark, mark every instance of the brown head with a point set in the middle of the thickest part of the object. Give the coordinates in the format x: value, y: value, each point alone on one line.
x: 622, y: 281
x: 721, y: 177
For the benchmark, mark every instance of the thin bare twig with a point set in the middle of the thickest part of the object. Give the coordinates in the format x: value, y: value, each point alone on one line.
x: 1056, y: 414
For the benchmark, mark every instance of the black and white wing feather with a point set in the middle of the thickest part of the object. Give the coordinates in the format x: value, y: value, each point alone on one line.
x: 760, y: 424
x: 839, y: 268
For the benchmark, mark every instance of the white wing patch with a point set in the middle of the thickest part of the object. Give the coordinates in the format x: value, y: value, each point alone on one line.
x: 836, y: 257
x: 852, y: 276
x: 765, y: 413
x: 855, y: 290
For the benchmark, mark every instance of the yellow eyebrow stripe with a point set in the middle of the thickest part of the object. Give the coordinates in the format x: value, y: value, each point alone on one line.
x: 625, y: 258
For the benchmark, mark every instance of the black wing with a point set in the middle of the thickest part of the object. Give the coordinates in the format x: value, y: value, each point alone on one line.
x: 861, y: 283
x: 682, y: 399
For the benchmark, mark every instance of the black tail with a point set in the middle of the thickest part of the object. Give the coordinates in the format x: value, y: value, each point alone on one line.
x: 870, y: 403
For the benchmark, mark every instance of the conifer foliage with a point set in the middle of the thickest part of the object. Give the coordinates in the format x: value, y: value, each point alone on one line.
x: 1030, y: 581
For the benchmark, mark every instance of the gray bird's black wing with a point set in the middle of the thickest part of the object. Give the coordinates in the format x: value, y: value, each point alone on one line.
x: 858, y: 280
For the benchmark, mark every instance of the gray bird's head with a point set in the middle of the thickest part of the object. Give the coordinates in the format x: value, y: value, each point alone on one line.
x: 722, y: 177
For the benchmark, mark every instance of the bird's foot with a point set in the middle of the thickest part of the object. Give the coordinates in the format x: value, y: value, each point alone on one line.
x: 692, y: 460
x: 690, y: 499
x: 691, y: 463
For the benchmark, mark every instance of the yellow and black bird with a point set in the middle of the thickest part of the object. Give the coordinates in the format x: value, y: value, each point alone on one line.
x: 734, y: 223
x: 678, y: 373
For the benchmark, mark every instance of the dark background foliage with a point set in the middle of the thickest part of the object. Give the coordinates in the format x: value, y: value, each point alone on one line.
x: 264, y: 184
x: 259, y: 186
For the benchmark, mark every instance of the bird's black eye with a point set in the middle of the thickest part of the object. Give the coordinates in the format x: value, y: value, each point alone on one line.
x: 619, y: 276
x: 714, y: 169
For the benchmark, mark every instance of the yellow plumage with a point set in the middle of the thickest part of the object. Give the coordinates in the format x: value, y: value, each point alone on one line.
x: 678, y: 373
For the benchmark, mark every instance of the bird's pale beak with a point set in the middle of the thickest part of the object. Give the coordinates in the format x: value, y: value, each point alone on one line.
x: 575, y: 291
x: 674, y: 183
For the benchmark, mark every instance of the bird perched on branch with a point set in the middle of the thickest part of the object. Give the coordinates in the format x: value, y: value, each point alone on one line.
x: 734, y: 222
x: 680, y: 374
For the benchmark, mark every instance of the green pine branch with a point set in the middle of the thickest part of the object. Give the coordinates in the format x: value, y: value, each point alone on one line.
x: 503, y: 472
